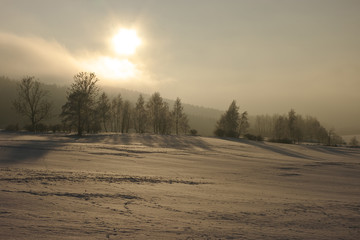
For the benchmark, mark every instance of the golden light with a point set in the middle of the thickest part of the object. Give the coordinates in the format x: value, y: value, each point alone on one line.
x: 126, y: 41
x: 112, y: 68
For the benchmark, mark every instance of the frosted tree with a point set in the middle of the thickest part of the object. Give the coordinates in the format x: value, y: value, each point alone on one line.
x: 179, y: 117
x: 154, y: 106
x: 104, y: 109
x: 126, y: 116
x: 81, y: 98
x: 184, y: 124
x: 292, y: 125
x: 116, y: 113
x: 159, y: 116
x: 354, y: 142
x: 243, y: 123
x: 228, y: 125
x: 281, y: 129
x: 140, y: 115
x: 165, y: 121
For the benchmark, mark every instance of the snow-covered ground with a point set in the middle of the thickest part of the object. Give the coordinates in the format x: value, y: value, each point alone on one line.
x: 168, y: 187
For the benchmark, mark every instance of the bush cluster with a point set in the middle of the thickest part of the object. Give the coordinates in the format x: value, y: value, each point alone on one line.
x: 254, y: 137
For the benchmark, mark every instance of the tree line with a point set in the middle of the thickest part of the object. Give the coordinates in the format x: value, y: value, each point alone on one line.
x: 88, y: 110
x: 294, y: 128
x: 287, y: 128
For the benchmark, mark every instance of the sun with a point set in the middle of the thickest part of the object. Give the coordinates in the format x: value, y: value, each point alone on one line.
x: 121, y: 67
x: 126, y: 41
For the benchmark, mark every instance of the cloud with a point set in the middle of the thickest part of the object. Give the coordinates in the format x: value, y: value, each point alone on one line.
x: 51, y: 62
x: 117, y: 71
x: 20, y: 56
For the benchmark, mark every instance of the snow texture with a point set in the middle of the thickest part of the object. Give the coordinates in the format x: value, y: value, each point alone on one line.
x: 132, y: 186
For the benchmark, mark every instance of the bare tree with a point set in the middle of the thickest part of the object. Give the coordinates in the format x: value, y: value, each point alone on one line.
x: 184, y: 124
x: 104, y: 109
x: 116, y: 113
x: 32, y: 101
x: 354, y: 142
x: 180, y: 119
x: 292, y: 120
x: 140, y: 115
x: 281, y: 129
x: 330, y: 136
x: 81, y: 102
x: 178, y: 115
x: 154, y: 106
x: 263, y: 125
x: 243, y: 123
x: 159, y: 115
x: 293, y: 128
x: 126, y: 116
x: 165, y: 120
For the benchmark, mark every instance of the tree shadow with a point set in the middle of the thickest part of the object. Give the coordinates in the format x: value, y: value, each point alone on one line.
x: 148, y: 140
x: 177, y: 142
x: 27, y: 150
x: 273, y: 148
x: 350, y: 152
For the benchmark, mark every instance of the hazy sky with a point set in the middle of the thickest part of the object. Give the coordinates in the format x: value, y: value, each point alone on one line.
x: 269, y: 55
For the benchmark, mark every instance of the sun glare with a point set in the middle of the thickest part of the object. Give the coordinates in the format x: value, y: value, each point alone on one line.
x: 120, y: 67
x: 112, y: 68
x: 126, y: 41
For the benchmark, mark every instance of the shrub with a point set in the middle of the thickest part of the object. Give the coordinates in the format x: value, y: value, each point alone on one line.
x: 12, y: 127
x: 259, y: 138
x: 56, y: 128
x: 219, y: 132
x: 39, y: 128
x: 193, y: 132
x: 232, y: 134
x: 253, y: 137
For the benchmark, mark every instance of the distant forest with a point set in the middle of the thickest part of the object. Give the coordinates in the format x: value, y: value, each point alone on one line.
x: 121, y: 110
x: 287, y: 128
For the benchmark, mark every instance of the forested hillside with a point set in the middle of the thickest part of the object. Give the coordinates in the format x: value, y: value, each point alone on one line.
x: 200, y: 118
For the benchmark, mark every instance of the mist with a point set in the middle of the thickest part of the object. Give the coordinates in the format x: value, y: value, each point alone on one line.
x: 35, y: 56
x: 158, y: 119
x: 302, y: 55
x: 51, y: 62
